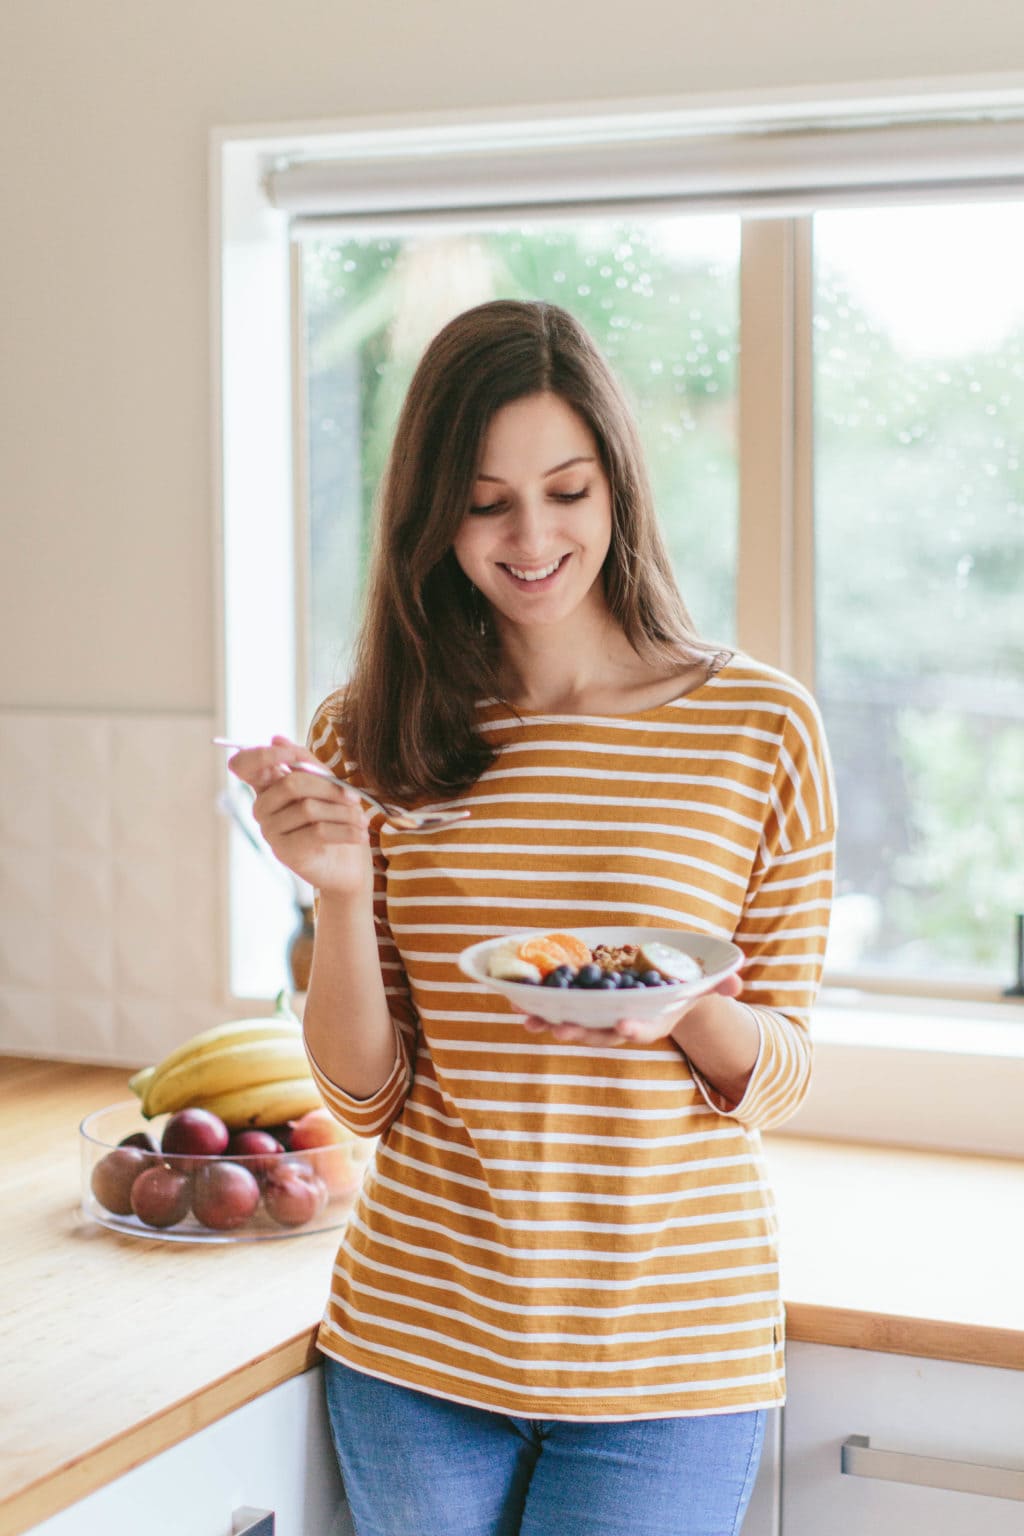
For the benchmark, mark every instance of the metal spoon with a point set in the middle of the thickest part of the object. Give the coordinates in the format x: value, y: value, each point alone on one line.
x: 402, y: 820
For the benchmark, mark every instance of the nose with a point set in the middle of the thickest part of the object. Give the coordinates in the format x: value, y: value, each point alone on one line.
x: 528, y: 529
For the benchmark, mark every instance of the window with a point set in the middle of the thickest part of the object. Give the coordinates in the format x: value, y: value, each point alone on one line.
x: 918, y: 389
x: 660, y: 295
x: 818, y: 324
x: 919, y: 583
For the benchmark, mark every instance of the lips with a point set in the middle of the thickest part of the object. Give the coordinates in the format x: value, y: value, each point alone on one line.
x: 537, y: 576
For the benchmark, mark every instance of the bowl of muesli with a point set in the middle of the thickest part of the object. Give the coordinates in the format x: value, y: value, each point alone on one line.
x: 597, y: 976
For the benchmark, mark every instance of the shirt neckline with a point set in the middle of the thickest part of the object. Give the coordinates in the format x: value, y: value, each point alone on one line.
x: 681, y: 699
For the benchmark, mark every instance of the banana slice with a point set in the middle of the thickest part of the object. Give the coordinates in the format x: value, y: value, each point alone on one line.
x: 671, y: 963
x: 504, y: 964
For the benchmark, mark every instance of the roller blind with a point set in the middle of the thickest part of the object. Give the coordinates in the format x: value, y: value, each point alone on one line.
x: 769, y: 169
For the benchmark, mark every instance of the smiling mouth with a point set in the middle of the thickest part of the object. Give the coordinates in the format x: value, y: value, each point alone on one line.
x: 537, y: 574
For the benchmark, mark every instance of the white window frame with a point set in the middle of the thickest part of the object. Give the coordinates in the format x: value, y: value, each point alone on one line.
x: 946, y: 1072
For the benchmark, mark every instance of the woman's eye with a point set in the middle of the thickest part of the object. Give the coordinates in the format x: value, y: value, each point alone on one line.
x: 491, y: 507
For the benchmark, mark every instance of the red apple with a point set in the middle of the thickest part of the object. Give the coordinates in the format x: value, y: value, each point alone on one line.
x: 334, y: 1152
x: 316, y: 1128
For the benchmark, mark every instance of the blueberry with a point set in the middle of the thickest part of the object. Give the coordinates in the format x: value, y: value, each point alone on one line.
x: 614, y: 977
x: 652, y: 979
x: 629, y: 979
x: 589, y: 976
x: 561, y: 977
x: 606, y: 985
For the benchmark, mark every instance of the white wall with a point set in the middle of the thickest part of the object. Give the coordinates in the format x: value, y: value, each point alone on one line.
x: 112, y: 928
x: 105, y: 111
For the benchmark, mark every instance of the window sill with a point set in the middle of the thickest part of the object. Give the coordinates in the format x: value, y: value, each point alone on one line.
x: 969, y: 1029
x: 940, y: 1076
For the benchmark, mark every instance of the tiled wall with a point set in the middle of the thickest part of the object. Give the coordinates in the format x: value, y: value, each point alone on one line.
x: 110, y: 924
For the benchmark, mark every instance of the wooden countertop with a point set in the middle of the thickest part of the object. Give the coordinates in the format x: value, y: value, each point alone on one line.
x: 116, y: 1348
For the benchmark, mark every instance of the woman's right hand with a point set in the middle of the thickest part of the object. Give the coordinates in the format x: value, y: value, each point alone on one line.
x: 315, y: 828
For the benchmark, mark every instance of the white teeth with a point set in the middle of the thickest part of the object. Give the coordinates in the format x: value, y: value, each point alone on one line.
x: 536, y: 575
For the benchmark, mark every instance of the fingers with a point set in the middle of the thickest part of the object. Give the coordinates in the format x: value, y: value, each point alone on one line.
x: 262, y: 766
x: 308, y: 790
x: 258, y: 766
x: 296, y: 811
x: 731, y: 986
x: 644, y: 1031
x: 639, y: 1031
x: 572, y: 1034
x: 338, y: 821
x: 323, y: 815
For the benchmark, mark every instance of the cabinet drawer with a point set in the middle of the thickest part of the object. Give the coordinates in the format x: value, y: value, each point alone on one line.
x: 275, y: 1454
x: 762, y: 1517
x: 930, y: 1409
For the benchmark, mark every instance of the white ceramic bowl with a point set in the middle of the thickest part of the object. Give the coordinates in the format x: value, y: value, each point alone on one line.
x: 601, y: 1009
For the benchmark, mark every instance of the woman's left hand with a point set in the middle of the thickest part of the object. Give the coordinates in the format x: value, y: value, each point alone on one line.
x: 645, y: 1031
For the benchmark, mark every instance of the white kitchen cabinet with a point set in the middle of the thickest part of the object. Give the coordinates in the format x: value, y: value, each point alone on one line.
x: 762, y: 1517
x: 275, y: 1453
x: 942, y: 1414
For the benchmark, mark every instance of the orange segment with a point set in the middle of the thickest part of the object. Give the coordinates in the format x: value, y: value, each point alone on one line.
x: 553, y: 949
x: 541, y: 953
x: 576, y: 952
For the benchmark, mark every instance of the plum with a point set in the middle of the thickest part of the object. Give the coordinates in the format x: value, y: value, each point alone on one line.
x: 224, y: 1195
x: 281, y: 1133
x: 194, y: 1131
x: 140, y: 1139
x: 257, y: 1148
x: 114, y: 1175
x: 160, y: 1196
x: 293, y: 1194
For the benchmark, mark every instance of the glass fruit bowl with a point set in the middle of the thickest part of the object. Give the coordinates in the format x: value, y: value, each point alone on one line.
x: 131, y: 1185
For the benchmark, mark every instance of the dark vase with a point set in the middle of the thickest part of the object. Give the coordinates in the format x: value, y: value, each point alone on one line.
x: 300, y: 951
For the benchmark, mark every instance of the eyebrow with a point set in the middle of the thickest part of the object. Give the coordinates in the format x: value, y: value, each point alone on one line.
x: 581, y: 458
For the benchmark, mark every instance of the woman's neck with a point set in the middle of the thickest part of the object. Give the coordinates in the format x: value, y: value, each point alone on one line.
x: 593, y: 670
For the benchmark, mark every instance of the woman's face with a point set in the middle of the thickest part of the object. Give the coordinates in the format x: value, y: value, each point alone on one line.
x: 536, y: 535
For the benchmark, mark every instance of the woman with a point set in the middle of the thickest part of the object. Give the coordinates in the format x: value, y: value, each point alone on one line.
x: 556, y: 1305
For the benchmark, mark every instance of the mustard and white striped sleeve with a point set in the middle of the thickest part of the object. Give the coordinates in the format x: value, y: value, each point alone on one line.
x: 371, y: 1116
x: 783, y: 928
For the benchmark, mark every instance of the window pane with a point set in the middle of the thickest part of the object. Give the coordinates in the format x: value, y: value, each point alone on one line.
x: 919, y: 386
x: 661, y: 298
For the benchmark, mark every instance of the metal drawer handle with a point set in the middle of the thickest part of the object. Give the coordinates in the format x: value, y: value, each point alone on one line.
x: 252, y: 1522
x: 860, y: 1459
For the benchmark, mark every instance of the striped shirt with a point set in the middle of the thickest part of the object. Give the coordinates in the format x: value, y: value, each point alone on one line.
x: 563, y: 1231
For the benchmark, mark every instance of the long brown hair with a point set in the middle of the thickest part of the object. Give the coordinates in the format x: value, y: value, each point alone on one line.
x: 426, y: 653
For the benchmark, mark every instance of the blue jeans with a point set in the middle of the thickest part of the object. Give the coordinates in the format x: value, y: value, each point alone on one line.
x: 416, y: 1465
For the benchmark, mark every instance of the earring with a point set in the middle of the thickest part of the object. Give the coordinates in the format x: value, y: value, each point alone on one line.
x: 477, y: 610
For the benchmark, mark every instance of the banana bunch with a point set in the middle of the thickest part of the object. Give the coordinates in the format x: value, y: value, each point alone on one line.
x: 250, y: 1072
